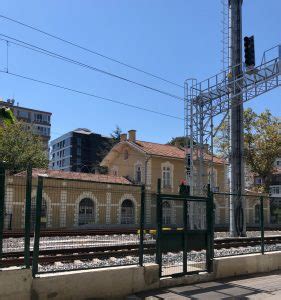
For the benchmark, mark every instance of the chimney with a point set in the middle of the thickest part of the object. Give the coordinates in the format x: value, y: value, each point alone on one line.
x: 132, y: 135
x: 123, y: 137
x: 177, y: 144
x: 206, y: 148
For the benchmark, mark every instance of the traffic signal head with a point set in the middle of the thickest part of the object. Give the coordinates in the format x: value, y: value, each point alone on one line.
x: 249, y: 50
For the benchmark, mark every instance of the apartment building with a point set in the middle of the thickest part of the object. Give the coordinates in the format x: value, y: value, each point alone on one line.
x: 39, y: 122
x: 79, y: 150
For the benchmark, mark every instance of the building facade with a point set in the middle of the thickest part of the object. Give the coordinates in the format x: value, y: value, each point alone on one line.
x: 144, y: 162
x: 79, y: 150
x: 72, y: 199
x: 37, y: 121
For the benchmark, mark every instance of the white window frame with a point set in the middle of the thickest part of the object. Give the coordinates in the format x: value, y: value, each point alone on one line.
x: 165, y: 167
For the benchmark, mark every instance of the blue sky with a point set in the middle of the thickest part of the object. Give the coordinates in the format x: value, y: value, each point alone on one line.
x: 174, y: 39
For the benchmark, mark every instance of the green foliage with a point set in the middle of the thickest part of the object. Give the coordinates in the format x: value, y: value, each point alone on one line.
x: 116, y: 134
x: 6, y: 116
x: 181, y: 140
x: 262, y: 143
x: 18, y: 148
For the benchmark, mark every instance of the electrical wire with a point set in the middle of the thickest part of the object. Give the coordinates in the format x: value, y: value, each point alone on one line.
x: 64, y: 58
x: 89, y: 50
x: 90, y: 95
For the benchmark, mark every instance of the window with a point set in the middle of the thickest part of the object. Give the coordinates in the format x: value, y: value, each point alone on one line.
x: 166, y: 216
x: 138, y: 173
x: 127, y: 212
x: 86, y: 212
x: 126, y: 154
x: 38, y: 117
x: 166, y: 177
x: 275, y: 189
x: 258, y: 180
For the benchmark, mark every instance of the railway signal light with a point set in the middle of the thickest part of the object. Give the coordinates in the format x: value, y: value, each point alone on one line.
x: 249, y: 50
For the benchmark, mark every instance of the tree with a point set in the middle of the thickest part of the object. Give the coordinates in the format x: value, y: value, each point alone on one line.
x: 6, y: 116
x: 19, y: 147
x: 262, y: 143
x: 181, y: 140
x: 116, y: 134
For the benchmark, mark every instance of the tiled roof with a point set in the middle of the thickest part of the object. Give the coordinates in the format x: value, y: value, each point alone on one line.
x: 78, y: 176
x: 170, y: 151
x: 161, y: 149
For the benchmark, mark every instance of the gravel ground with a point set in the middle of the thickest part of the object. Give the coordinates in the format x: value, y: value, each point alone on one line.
x: 17, y: 244
x: 169, y: 259
x: 194, y: 258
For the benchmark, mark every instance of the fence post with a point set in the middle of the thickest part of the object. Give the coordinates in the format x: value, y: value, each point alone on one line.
x: 210, y: 230
x: 159, y: 227
x: 142, y: 225
x: 2, y: 207
x: 27, y: 216
x: 262, y: 224
x: 185, y: 234
x: 37, y: 226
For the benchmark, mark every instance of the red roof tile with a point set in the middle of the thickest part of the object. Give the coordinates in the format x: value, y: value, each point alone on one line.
x: 78, y: 176
x: 170, y: 151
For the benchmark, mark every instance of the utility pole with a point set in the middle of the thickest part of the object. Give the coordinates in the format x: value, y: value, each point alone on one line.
x: 237, y: 204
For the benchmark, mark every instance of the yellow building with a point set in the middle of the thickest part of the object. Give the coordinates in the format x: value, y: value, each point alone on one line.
x: 144, y: 162
x: 74, y: 199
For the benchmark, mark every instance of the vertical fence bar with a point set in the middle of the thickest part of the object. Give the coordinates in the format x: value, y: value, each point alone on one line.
x: 185, y: 234
x: 210, y: 230
x: 262, y: 224
x: 159, y: 227
x: 142, y: 225
x: 27, y: 216
x: 2, y: 207
x: 37, y: 226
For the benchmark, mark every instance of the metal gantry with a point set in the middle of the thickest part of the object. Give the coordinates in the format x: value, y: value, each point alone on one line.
x: 211, y: 98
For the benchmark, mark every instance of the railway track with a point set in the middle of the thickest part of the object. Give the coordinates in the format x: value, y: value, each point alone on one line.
x: 99, y: 231
x: 50, y: 256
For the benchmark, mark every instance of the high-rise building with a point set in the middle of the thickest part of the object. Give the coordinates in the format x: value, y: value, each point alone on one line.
x: 79, y: 150
x: 37, y: 121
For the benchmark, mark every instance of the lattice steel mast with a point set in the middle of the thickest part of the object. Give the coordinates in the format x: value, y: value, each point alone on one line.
x: 217, y: 96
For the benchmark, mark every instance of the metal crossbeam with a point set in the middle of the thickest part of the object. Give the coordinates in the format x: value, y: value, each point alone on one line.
x: 211, y: 98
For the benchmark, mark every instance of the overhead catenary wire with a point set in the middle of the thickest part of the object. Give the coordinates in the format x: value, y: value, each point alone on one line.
x: 89, y: 50
x: 90, y: 94
x: 70, y: 60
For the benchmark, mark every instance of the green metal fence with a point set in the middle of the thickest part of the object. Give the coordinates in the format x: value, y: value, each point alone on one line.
x: 54, y: 224
x: 184, y: 242
x: 15, y: 197
x: 109, y: 220
x: 261, y: 235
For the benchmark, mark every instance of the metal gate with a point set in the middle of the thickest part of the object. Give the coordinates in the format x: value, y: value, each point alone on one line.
x: 184, y: 233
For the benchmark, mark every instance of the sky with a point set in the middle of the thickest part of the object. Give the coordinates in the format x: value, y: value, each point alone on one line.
x: 173, y: 39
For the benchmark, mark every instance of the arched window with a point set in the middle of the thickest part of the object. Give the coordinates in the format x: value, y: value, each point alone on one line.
x: 166, y: 177
x: 166, y: 213
x: 43, y: 213
x: 138, y: 173
x: 127, y: 212
x: 257, y: 214
x: 86, y: 212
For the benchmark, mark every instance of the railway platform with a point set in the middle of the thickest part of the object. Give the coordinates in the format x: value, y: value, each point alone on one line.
x: 258, y: 286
